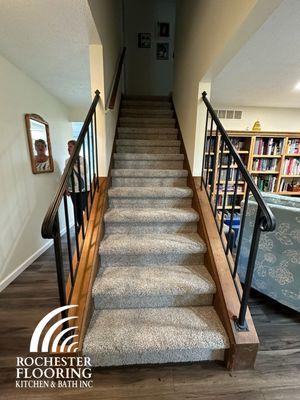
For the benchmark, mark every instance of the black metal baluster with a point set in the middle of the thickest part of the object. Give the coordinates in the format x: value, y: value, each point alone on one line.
x: 241, y: 231
x: 85, y: 182
x: 229, y: 240
x: 75, y: 215
x: 70, y: 253
x: 90, y: 171
x: 219, y: 177
x: 250, y: 269
x: 93, y: 150
x: 214, y: 165
x: 81, y: 211
x: 96, y: 147
x: 225, y: 191
x: 60, y: 268
x: 209, y: 148
x: 204, y: 149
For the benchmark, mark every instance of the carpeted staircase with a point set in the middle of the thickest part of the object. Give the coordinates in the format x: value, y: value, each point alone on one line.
x: 153, y: 296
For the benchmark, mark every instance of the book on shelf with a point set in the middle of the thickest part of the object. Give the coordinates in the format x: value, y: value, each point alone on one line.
x: 263, y: 164
x: 265, y: 183
x: 293, y: 146
x: 228, y: 201
x: 231, y: 187
x: 232, y: 174
x: 291, y: 166
x: 288, y: 185
x: 268, y: 146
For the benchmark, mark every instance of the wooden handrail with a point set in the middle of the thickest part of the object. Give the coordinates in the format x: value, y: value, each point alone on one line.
x: 49, y: 220
x: 113, y: 95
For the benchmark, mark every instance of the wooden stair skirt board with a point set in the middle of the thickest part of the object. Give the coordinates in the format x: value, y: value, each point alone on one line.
x: 161, y: 290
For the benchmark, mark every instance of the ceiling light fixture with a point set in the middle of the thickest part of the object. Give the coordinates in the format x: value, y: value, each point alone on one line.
x: 297, y: 87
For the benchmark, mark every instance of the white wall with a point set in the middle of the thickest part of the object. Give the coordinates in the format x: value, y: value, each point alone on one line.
x: 104, y: 57
x: 25, y: 197
x: 208, y: 34
x: 271, y: 119
x: 145, y: 75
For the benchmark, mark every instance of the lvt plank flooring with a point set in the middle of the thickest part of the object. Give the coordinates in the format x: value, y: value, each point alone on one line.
x: 275, y: 377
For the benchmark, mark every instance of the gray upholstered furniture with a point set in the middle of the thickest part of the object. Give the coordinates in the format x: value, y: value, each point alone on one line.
x: 277, y: 269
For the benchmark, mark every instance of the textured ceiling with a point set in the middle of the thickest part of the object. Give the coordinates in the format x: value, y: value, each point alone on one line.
x: 266, y: 70
x: 48, y: 40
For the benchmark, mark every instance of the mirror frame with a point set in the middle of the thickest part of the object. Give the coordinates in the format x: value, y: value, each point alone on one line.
x: 39, y: 119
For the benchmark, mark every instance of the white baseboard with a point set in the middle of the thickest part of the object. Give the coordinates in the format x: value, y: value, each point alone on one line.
x: 13, y: 275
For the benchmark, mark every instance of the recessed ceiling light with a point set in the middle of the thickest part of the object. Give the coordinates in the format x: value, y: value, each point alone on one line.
x: 297, y: 87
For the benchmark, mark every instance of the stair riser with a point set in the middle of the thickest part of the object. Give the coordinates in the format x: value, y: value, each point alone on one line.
x: 186, y: 300
x: 148, y: 149
x: 147, y: 142
x: 148, y: 157
x: 144, y: 113
x: 147, y: 259
x: 149, y: 203
x: 156, y: 130
x: 132, y: 228
x: 145, y: 182
x: 167, y: 356
x: 146, y: 104
x: 149, y: 164
x: 135, y: 122
x: 147, y: 136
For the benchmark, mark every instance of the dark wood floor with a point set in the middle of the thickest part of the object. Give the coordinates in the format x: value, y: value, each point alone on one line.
x: 276, y: 376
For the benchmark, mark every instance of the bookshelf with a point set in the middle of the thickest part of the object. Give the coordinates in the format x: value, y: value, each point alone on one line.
x: 273, y: 159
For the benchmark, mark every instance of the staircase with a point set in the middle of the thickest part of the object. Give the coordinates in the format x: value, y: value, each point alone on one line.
x: 153, y: 295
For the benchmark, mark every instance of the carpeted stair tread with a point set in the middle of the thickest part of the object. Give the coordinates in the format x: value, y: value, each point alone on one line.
x: 149, y: 149
x: 148, y: 142
x: 147, y: 121
x: 126, y: 129
x: 159, y: 286
x: 158, y: 112
x: 146, y: 97
x: 147, y: 136
x: 150, y: 192
x: 155, y: 335
x: 150, y: 215
x: 187, y: 243
x: 147, y: 104
x: 148, y: 157
x: 149, y: 173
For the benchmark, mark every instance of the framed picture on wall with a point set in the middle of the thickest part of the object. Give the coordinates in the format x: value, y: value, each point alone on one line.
x: 163, y: 30
x: 162, y: 51
x: 144, y: 40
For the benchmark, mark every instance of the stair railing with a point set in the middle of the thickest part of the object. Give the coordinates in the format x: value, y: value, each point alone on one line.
x: 79, y: 183
x: 217, y: 146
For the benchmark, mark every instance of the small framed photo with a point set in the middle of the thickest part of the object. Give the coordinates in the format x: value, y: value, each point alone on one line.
x: 144, y: 40
x: 163, y: 29
x: 162, y: 51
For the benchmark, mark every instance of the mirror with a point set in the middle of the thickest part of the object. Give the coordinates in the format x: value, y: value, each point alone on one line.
x: 39, y: 144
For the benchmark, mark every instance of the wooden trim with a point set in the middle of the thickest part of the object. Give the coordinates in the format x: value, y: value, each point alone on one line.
x: 262, y: 133
x: 90, y: 259
x: 113, y: 96
x: 89, y: 262
x: 226, y: 301
x: 243, y: 345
